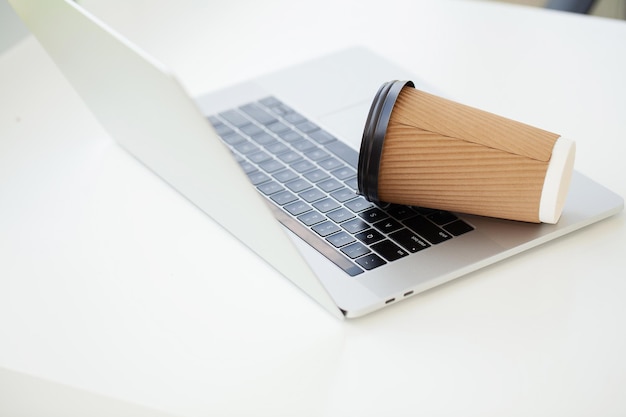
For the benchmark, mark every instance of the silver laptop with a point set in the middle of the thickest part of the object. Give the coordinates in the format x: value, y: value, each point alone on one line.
x: 274, y: 162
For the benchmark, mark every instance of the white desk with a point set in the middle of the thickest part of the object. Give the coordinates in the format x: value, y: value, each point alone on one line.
x: 109, y: 279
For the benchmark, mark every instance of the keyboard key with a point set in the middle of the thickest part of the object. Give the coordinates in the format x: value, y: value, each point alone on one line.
x: 344, y: 152
x: 400, y: 212
x: 388, y: 225
x: 284, y: 197
x: 441, y: 217
x: 285, y: 175
x: 246, y: 147
x: 235, y: 118
x: 369, y: 236
x: 374, y: 214
x: 370, y: 261
x: 257, y: 113
x: 325, y: 229
x: 304, y: 145
x: 330, y: 185
x: 223, y: 130
x: 424, y: 210
x: 233, y: 139
x: 355, y: 226
x: 270, y: 187
x: 303, y: 166
x: 298, y: 207
x: 271, y: 165
x: 316, y: 175
x: 312, y: 217
x: 322, y: 137
x: 359, y: 204
x: 343, y: 194
x: 409, y: 240
x: 330, y: 164
x: 389, y: 250
x: 264, y: 139
x: 289, y: 157
x: 311, y: 195
x: 317, y: 154
x: 258, y: 177
x: 258, y: 157
x: 281, y: 110
x: 343, y: 173
x: 278, y: 127
x: 352, y: 183
x: 340, y: 239
x: 290, y: 136
x: 247, y: 167
x: 427, y: 230
x: 291, y: 116
x: 355, y: 250
x: 276, y: 148
x: 298, y: 185
x: 340, y: 215
x: 270, y: 101
x: 251, y: 129
x: 458, y: 228
x: 273, y: 103
x: 214, y: 120
x: 326, y: 205
x: 307, y: 127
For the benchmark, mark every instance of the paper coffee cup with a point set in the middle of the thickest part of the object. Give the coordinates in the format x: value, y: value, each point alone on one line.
x: 422, y: 150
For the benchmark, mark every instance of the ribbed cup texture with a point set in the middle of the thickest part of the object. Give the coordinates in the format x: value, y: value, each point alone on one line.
x: 444, y: 155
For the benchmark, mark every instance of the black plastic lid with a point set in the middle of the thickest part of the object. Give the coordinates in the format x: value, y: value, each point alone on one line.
x: 374, y: 136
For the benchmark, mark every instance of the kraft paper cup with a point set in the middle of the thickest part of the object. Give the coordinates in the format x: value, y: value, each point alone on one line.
x: 422, y: 150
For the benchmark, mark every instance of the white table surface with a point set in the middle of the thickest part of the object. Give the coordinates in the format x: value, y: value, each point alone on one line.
x: 112, y: 282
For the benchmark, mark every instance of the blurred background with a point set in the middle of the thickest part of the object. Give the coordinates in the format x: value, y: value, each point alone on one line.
x: 615, y: 9
x: 12, y: 30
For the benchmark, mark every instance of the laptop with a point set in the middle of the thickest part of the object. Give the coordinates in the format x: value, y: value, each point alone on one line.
x: 274, y: 160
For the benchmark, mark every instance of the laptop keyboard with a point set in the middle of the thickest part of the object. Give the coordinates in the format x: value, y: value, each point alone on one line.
x: 309, y: 177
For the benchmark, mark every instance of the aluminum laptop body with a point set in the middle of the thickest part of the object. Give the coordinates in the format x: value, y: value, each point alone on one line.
x: 143, y: 107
